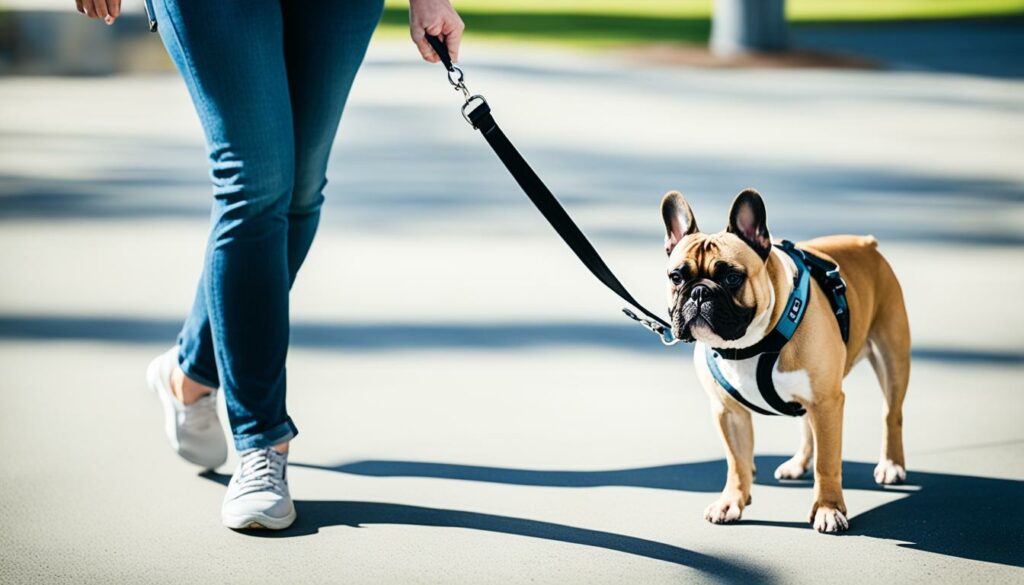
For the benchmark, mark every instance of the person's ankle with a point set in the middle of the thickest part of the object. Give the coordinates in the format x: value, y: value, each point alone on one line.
x: 185, y: 389
x: 281, y: 448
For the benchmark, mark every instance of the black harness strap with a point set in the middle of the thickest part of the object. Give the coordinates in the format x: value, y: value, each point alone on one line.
x: 827, y: 275
x: 732, y: 390
x: 765, y: 366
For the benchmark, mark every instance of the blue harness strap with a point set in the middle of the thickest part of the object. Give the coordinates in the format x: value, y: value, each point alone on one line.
x: 768, y: 349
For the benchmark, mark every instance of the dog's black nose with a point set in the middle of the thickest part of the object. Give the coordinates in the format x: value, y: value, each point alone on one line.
x: 698, y: 293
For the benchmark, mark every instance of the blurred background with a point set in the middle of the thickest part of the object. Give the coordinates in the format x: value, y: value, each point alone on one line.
x: 473, y: 406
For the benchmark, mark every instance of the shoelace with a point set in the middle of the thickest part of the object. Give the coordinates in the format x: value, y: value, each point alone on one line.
x: 202, y: 413
x: 261, y: 470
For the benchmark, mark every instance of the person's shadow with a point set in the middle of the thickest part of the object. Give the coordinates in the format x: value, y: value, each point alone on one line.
x: 963, y: 516
x: 316, y: 514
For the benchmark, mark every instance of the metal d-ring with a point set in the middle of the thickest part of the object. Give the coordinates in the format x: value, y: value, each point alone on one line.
x: 469, y: 100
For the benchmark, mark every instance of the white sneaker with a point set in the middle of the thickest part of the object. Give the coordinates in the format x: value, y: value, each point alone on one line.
x: 257, y: 495
x: 193, y: 429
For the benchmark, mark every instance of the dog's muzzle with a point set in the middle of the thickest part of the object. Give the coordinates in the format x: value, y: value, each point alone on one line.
x: 710, y: 305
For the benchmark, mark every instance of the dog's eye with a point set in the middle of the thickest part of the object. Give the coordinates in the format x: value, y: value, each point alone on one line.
x: 676, y: 277
x: 733, y: 279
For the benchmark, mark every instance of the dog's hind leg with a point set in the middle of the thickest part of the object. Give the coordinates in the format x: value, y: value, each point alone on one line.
x: 893, y: 375
x: 798, y: 465
x: 889, y: 353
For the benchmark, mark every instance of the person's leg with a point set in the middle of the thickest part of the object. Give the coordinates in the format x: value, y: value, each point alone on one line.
x: 325, y: 43
x: 231, y: 56
x: 324, y: 47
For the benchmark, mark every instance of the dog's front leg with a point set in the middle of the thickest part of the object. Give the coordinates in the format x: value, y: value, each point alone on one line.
x: 826, y: 417
x: 737, y: 432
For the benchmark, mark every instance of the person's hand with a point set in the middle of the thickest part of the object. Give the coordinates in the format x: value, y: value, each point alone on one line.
x: 108, y: 10
x: 437, y: 18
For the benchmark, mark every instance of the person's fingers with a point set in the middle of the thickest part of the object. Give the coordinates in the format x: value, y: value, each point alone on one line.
x: 420, y: 39
x: 89, y: 9
x: 114, y: 7
x: 453, y: 39
x: 427, y: 51
x: 435, y: 29
x: 79, y: 7
x: 101, y: 10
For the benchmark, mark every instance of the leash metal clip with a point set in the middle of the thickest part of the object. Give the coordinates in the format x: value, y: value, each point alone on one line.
x: 457, y: 80
x: 458, y: 83
x: 665, y: 335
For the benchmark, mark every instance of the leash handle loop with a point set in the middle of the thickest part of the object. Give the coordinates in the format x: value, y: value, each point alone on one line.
x: 442, y: 51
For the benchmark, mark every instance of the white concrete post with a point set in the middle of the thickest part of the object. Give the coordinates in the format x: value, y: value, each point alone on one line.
x: 743, y: 26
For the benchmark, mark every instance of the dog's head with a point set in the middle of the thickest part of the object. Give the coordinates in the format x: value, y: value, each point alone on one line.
x: 719, y: 291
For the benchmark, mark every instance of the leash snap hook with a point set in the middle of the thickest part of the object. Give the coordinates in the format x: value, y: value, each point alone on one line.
x: 663, y: 334
x: 457, y: 80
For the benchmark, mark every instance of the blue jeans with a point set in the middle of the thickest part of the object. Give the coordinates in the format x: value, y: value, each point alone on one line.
x: 269, y: 80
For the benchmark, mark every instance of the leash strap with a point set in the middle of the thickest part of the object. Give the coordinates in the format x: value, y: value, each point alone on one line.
x: 478, y: 113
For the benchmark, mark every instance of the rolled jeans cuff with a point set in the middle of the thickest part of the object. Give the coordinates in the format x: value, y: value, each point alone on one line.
x: 285, y: 431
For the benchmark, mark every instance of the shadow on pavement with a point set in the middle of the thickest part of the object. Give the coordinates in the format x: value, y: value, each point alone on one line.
x: 956, y: 515
x: 316, y: 514
x: 895, y: 206
x: 380, y: 337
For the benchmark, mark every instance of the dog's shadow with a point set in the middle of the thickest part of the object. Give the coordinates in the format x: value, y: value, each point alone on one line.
x: 957, y: 515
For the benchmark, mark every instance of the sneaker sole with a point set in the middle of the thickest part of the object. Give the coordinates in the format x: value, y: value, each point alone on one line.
x: 258, y: 522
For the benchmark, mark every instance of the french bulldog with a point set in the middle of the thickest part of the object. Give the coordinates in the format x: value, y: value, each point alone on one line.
x: 729, y: 289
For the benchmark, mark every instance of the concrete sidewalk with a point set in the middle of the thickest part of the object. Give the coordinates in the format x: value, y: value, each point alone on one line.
x: 481, y: 413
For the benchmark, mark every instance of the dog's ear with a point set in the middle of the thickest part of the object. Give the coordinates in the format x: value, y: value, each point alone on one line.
x: 679, y: 220
x: 748, y: 220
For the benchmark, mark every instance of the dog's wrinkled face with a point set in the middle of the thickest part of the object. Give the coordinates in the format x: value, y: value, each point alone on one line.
x: 718, y: 286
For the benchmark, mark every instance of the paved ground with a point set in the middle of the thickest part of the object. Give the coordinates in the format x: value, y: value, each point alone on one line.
x: 482, y: 414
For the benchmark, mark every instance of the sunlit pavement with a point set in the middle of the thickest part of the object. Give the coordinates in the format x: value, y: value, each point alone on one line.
x: 473, y: 408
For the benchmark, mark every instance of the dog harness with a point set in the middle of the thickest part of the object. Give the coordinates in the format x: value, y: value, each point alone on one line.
x: 768, y: 349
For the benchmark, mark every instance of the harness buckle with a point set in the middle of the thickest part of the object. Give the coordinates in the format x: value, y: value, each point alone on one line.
x: 838, y: 285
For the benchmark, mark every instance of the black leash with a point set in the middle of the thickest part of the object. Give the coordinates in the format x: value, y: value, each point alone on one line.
x: 477, y: 112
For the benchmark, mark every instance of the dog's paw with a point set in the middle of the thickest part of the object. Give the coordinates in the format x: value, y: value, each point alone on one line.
x: 888, y: 472
x: 793, y: 468
x: 725, y: 510
x: 828, y: 518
